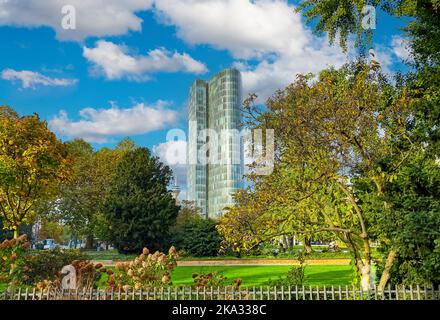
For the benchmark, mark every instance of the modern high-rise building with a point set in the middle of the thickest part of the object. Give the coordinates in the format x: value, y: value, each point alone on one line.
x: 215, y: 166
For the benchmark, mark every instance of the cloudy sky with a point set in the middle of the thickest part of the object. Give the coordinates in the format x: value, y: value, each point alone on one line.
x: 127, y: 67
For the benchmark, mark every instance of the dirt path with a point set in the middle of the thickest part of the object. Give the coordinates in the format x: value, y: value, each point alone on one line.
x: 247, y: 262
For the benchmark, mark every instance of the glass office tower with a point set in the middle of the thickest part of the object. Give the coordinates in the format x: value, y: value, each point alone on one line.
x: 215, y: 106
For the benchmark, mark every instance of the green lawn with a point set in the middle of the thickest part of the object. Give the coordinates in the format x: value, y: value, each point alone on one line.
x: 258, y: 275
x: 115, y: 256
x: 108, y: 255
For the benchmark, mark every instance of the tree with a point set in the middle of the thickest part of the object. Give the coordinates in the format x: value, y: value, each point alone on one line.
x: 138, y: 206
x: 79, y: 204
x: 188, y: 213
x: 199, y: 238
x: 345, y: 125
x: 344, y: 18
x: 248, y: 224
x: 409, y: 227
x: 422, y: 32
x: 417, y: 188
x: 193, y: 234
x: 51, y: 230
x: 32, y: 164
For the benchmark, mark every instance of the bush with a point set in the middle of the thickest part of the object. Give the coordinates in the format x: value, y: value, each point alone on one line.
x: 144, y: 272
x: 213, y: 279
x: 295, y: 277
x: 199, y: 238
x: 12, y: 256
x: 46, y: 265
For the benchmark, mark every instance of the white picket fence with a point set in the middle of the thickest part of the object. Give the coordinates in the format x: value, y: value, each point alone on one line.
x: 228, y: 293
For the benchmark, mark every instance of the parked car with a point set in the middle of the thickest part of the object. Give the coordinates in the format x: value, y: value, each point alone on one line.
x: 49, y: 244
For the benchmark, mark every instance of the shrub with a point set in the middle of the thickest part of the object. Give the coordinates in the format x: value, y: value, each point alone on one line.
x: 213, y: 279
x: 296, y: 276
x: 87, y: 277
x: 47, y: 265
x: 12, y: 257
x: 199, y: 238
x: 146, y: 271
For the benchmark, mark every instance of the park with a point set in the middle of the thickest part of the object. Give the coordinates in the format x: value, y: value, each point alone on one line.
x: 347, y: 206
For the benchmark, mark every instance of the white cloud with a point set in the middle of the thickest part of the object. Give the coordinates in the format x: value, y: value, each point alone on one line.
x: 401, y: 48
x: 30, y: 79
x: 267, y: 37
x: 93, y: 17
x: 268, y: 76
x: 246, y: 28
x: 98, y: 125
x: 115, y: 62
x: 173, y: 154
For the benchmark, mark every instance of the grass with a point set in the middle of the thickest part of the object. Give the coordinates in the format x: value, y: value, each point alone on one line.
x: 313, y: 255
x: 255, y: 275
x: 108, y: 255
x: 260, y: 275
x: 115, y: 256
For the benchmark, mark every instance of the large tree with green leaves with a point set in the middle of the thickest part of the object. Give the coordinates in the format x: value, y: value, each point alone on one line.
x: 414, y: 195
x: 345, y: 125
x: 33, y: 162
x: 138, y: 206
x: 80, y: 201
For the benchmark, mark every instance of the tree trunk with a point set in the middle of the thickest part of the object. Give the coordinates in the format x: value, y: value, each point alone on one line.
x: 16, y: 235
x: 386, y: 274
x: 89, y: 242
x: 366, y: 270
x: 285, y: 243
x: 307, y: 245
x: 365, y: 273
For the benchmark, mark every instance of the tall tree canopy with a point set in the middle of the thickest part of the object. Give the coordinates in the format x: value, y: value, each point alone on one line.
x: 80, y: 201
x: 414, y: 196
x: 32, y: 164
x: 139, y: 208
x: 342, y: 142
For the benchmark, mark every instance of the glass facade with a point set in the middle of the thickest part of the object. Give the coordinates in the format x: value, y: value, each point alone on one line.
x: 215, y: 105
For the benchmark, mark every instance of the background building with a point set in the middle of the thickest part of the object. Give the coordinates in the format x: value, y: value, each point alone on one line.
x: 215, y: 105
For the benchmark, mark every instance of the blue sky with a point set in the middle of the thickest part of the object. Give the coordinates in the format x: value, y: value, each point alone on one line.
x: 127, y: 68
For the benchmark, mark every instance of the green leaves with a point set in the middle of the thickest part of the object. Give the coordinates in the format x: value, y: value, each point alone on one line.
x: 138, y: 206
